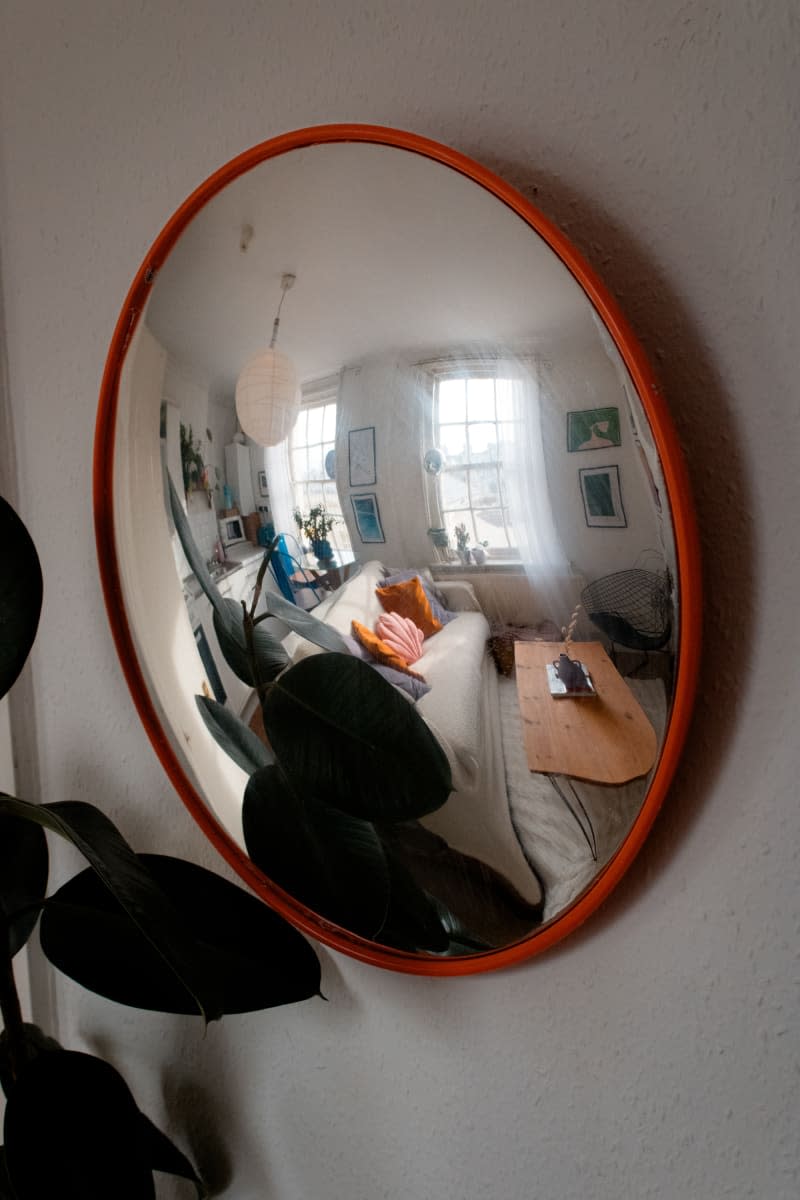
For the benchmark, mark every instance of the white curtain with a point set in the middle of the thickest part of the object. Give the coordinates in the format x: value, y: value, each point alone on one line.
x: 530, y: 510
x: 280, y: 488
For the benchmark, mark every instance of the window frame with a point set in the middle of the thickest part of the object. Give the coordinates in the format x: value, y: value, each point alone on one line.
x: 466, y: 371
x: 323, y: 394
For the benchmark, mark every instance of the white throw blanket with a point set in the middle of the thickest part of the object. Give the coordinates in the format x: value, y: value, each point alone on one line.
x: 549, y: 834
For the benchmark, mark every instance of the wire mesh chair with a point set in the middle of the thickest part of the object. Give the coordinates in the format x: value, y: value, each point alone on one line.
x: 632, y: 608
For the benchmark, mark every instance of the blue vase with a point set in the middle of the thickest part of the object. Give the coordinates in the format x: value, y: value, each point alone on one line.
x: 322, y: 550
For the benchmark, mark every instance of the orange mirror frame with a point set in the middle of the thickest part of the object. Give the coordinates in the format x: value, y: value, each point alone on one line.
x: 679, y: 503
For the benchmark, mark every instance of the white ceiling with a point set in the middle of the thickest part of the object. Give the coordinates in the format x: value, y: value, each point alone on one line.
x: 393, y: 253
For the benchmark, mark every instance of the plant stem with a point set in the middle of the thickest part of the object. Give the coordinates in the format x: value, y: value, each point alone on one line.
x: 9, y: 1003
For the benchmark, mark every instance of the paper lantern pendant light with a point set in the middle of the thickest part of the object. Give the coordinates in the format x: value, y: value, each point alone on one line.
x: 267, y: 393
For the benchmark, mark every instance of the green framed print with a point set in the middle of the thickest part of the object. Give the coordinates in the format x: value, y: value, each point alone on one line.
x: 602, y: 497
x: 593, y: 429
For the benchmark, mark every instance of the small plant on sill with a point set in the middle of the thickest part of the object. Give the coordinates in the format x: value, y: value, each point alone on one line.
x: 196, y: 475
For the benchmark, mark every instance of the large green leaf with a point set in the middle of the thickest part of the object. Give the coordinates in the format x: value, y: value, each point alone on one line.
x: 342, y: 733
x: 6, y: 1190
x: 329, y: 861
x: 233, y: 736
x: 20, y: 595
x: 126, y: 877
x: 305, y: 623
x: 270, y: 656
x: 413, y: 921
x: 163, y: 1155
x: 259, y: 959
x: 193, y: 555
x: 33, y: 1043
x: 23, y: 876
x: 72, y: 1131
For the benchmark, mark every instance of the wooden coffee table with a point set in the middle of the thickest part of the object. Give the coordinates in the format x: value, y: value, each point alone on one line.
x: 603, y: 739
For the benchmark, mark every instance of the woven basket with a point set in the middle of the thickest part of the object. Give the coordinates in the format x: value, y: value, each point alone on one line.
x: 503, y: 637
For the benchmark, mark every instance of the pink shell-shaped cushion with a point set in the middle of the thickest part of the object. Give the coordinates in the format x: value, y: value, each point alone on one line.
x: 401, y: 634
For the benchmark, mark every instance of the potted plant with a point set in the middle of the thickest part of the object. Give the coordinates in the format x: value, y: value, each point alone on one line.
x: 196, y: 475
x: 462, y: 542
x: 146, y: 930
x: 316, y: 526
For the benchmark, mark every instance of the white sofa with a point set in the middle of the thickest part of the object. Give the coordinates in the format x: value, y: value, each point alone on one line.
x: 462, y: 711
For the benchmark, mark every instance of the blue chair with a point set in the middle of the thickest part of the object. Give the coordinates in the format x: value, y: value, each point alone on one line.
x: 296, y: 583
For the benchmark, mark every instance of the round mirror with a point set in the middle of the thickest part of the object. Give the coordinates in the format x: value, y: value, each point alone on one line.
x: 428, y: 714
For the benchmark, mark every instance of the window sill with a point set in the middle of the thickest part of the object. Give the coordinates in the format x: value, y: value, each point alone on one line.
x: 508, y: 566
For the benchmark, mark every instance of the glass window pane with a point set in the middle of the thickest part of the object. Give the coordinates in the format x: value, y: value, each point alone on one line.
x: 452, y: 400
x: 315, y: 424
x: 505, y: 399
x: 316, y: 466
x: 480, y: 399
x: 453, y: 443
x: 508, y: 436
x: 298, y: 434
x: 462, y: 517
x: 483, y: 442
x: 454, y: 489
x: 329, y: 423
x: 299, y: 464
x: 484, y: 487
x: 315, y: 495
x: 490, y: 528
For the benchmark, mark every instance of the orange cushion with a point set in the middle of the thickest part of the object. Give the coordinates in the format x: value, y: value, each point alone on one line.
x: 409, y: 600
x: 380, y: 651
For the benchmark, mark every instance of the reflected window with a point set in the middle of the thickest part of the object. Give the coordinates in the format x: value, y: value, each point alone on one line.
x: 312, y: 446
x: 473, y: 424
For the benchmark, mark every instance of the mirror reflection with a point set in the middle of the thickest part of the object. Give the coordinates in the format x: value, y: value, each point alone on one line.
x: 470, y: 555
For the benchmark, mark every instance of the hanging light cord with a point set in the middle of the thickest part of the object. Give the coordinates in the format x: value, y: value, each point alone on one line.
x: 286, y: 283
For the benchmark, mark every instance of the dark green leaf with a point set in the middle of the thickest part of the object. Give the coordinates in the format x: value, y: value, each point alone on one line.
x: 72, y: 1130
x: 128, y: 880
x: 305, y: 623
x: 259, y: 959
x: 162, y: 1155
x: 193, y: 555
x: 235, y: 738
x: 270, y: 656
x: 23, y: 875
x: 35, y: 1042
x: 342, y: 733
x: 413, y: 921
x: 6, y: 1190
x: 477, y: 905
x: 329, y: 861
x: 20, y: 595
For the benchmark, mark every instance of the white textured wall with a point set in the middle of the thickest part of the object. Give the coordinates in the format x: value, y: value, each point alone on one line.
x: 654, y: 1055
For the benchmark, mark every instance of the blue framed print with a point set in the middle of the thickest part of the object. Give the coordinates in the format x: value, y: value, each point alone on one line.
x: 367, y: 517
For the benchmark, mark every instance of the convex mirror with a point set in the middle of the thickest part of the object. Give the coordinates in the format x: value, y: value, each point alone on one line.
x: 379, y: 727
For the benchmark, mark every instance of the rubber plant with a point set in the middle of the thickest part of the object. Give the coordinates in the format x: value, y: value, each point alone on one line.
x: 145, y: 930
x: 332, y: 805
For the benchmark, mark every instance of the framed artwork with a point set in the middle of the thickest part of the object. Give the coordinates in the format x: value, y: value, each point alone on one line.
x: 263, y: 486
x: 368, y: 519
x: 593, y: 429
x: 361, y: 444
x: 602, y: 497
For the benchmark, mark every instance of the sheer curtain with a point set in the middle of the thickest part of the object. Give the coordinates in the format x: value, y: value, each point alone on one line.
x: 280, y: 488
x: 519, y: 397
